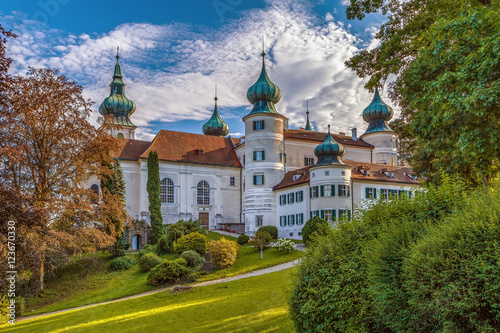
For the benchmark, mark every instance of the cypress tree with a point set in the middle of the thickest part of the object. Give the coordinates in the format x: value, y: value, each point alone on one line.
x: 153, y: 187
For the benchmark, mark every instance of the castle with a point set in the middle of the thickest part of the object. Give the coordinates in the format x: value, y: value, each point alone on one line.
x: 272, y: 175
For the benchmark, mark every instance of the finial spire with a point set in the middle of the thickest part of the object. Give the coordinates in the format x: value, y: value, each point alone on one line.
x: 216, y: 98
x: 307, y: 109
x: 308, y: 125
x: 328, y: 128
x: 263, y: 54
x: 117, y: 53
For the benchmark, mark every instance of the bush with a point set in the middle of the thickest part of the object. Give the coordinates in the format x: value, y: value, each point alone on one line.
x: 314, y: 227
x: 193, y: 241
x: 283, y: 244
x: 167, y: 272
x: 193, y: 259
x: 147, y: 249
x: 164, y: 244
x: 271, y: 229
x: 122, y: 263
x: 223, y: 252
x: 181, y: 261
x: 148, y: 262
x: 243, y: 239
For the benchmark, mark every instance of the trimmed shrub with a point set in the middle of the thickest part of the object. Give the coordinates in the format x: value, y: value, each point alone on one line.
x: 223, y: 252
x: 271, y: 229
x: 193, y: 258
x: 122, y: 263
x: 167, y: 272
x: 149, y: 261
x: 243, y: 239
x: 284, y: 245
x: 164, y: 244
x: 147, y: 249
x: 314, y: 227
x: 193, y: 241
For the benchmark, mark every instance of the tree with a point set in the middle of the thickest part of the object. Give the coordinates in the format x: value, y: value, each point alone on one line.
x: 113, y: 195
x: 261, y: 240
x: 443, y: 53
x: 313, y: 228
x: 48, y: 151
x: 153, y: 187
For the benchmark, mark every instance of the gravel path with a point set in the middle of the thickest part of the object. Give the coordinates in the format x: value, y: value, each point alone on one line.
x: 263, y: 271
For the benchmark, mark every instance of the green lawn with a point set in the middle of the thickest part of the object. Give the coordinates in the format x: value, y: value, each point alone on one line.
x: 256, y: 304
x: 68, y: 290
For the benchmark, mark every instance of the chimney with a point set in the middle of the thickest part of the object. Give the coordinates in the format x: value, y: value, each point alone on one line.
x: 355, y: 134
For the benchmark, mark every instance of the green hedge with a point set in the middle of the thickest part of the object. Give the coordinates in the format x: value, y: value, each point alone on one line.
x: 122, y: 263
x: 167, y: 272
x: 243, y: 239
x: 193, y: 241
x: 272, y: 230
x: 149, y: 261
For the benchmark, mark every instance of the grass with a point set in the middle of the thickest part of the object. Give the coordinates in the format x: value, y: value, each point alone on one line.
x: 68, y: 290
x: 216, y: 236
x: 256, y: 304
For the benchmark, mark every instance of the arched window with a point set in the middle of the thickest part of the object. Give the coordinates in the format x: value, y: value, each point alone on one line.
x: 203, y: 193
x: 95, y: 194
x: 167, y: 190
x: 120, y: 136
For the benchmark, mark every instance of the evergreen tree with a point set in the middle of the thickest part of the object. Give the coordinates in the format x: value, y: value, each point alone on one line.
x: 153, y: 187
x: 113, y: 188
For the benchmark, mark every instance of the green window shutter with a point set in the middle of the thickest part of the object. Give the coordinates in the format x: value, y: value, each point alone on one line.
x: 322, y: 214
x: 262, y: 124
x: 305, y: 160
x: 310, y: 192
x: 296, y: 196
x: 349, y: 214
x: 293, y: 219
x: 332, y: 190
x: 401, y: 193
x: 311, y: 214
x: 317, y: 191
x: 348, y: 190
x: 255, y: 180
x: 322, y: 188
x: 301, y: 218
x: 254, y: 125
x: 255, y: 156
x: 263, y: 155
x: 262, y: 179
x: 367, y: 190
x: 409, y: 194
x: 301, y: 195
x: 334, y: 215
x: 340, y: 190
x: 374, y: 193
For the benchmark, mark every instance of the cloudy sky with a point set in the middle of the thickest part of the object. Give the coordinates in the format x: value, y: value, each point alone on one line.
x: 173, y: 53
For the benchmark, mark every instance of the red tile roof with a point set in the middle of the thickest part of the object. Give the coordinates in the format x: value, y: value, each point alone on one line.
x: 321, y: 136
x: 375, y: 174
x: 193, y: 148
x: 129, y: 149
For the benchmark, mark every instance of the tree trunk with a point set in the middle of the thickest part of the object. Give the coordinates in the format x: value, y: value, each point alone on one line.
x: 261, y: 253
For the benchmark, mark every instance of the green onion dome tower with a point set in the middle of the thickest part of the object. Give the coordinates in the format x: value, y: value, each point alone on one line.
x: 330, y: 151
x: 378, y: 133
x: 117, y: 108
x: 263, y: 153
x: 215, y: 126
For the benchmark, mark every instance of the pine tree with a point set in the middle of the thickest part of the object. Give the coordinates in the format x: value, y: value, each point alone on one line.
x: 153, y: 187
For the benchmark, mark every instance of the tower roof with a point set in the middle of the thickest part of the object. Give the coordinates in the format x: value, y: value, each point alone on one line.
x: 263, y: 94
x: 215, y: 125
x: 308, y: 125
x: 377, y: 114
x: 330, y: 151
x: 117, y: 104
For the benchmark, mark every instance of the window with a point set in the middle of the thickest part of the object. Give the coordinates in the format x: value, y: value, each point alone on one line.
x: 203, y: 193
x: 258, y: 201
x: 344, y: 214
x: 167, y: 190
x: 258, y: 179
x: 295, y: 177
x: 291, y: 234
x: 120, y: 136
x: 308, y: 161
x: 300, y: 233
x: 259, y: 220
x: 314, y: 213
x: 300, y: 196
x: 291, y: 219
x: 282, y: 221
x: 344, y: 190
x: 343, y: 173
x: 299, y: 218
x: 384, y: 193
x: 232, y: 181
x: 291, y: 197
x: 371, y: 193
x: 95, y: 193
x: 282, y: 157
x: 328, y: 214
x: 314, y: 191
x: 327, y: 190
x: 244, y: 160
x: 313, y: 174
x: 390, y: 174
x: 327, y: 173
x: 258, y: 125
x: 282, y: 199
x: 259, y: 155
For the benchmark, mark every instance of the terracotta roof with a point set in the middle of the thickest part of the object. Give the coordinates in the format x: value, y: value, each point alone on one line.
x: 129, y: 149
x: 193, y: 148
x: 321, y: 136
x: 375, y: 174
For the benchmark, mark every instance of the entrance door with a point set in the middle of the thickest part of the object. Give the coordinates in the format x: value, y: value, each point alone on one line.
x: 136, y: 242
x: 203, y: 218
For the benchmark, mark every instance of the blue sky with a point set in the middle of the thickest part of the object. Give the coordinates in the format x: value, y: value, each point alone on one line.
x: 173, y: 53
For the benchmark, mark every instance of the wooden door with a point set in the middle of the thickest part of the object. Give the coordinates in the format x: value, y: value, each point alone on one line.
x: 203, y: 218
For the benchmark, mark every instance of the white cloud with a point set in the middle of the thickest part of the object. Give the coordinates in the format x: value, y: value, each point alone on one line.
x: 170, y: 70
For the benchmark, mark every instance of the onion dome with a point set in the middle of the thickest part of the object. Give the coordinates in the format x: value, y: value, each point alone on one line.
x: 263, y: 94
x: 330, y: 151
x: 308, y: 125
x: 215, y: 125
x: 117, y: 104
x: 377, y: 114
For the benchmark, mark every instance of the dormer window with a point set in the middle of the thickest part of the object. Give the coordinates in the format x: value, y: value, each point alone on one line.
x: 412, y: 176
x: 296, y: 177
x: 388, y: 172
x: 199, y: 152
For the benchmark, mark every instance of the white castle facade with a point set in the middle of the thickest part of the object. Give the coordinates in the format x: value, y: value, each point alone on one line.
x: 271, y: 176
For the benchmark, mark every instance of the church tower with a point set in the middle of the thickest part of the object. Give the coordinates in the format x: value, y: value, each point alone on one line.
x: 215, y: 125
x: 117, y: 108
x: 378, y: 133
x: 264, y: 155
